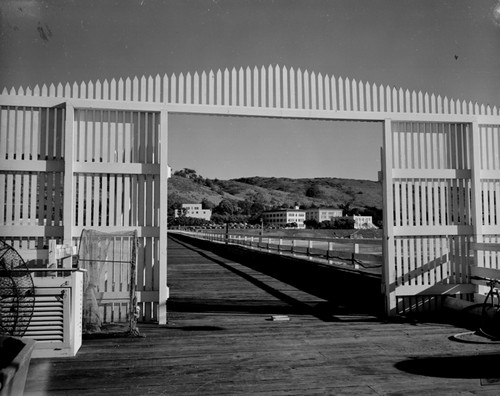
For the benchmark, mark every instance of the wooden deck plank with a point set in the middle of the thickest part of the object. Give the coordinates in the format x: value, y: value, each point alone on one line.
x: 219, y: 341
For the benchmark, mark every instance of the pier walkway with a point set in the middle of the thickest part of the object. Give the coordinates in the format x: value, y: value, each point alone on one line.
x: 221, y: 340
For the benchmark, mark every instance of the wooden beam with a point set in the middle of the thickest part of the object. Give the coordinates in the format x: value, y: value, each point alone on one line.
x: 490, y: 247
x: 162, y: 273
x: 388, y: 271
x: 69, y: 191
x: 31, y: 166
x: 116, y: 168
x: 434, y: 290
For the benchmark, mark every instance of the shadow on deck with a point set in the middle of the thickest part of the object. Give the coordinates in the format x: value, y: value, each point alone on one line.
x: 338, y: 290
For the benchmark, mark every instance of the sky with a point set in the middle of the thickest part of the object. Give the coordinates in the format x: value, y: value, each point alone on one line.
x: 447, y: 47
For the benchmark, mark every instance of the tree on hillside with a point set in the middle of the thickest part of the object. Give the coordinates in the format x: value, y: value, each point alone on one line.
x: 245, y: 207
x: 257, y: 208
x: 186, y: 172
x: 206, y: 204
x: 173, y: 204
x: 190, y: 174
x: 346, y: 207
x: 225, y: 207
x: 314, y: 191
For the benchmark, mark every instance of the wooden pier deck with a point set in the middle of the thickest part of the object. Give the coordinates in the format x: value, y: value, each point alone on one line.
x: 220, y: 341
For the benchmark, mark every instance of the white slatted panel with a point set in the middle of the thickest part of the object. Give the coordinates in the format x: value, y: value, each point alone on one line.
x: 489, y: 140
x: 431, y: 221
x: 121, y: 197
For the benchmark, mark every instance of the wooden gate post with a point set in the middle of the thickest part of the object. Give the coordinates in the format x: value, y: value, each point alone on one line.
x: 69, y: 191
x: 163, y: 220
x: 388, y: 272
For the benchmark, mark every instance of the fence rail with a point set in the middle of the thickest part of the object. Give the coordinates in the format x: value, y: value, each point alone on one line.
x: 357, y: 254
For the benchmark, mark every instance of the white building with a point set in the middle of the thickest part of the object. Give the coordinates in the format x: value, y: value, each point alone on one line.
x: 363, y: 222
x: 194, y: 210
x: 322, y: 214
x: 284, y: 217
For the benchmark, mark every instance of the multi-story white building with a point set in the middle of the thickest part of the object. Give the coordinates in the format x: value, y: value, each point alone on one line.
x: 363, y: 222
x: 282, y: 217
x: 194, y: 210
x: 322, y: 214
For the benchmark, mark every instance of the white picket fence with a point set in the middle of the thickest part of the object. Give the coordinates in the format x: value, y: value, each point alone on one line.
x: 266, y: 87
x: 94, y: 155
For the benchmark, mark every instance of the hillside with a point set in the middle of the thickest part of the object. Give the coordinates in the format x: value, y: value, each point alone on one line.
x: 278, y: 191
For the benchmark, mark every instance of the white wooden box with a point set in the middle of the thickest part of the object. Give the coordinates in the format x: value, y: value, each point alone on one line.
x: 56, y: 324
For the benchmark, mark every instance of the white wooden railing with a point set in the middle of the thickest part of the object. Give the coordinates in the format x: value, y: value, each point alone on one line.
x: 355, y: 253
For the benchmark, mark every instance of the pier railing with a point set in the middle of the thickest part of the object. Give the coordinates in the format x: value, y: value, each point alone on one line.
x: 354, y: 253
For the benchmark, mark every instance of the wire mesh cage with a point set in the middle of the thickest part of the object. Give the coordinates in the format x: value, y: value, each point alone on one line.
x: 109, y: 298
x: 17, y: 292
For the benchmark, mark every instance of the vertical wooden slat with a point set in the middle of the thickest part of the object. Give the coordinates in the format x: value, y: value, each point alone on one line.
x: 173, y: 89
x: 218, y: 99
x: 3, y: 184
x: 320, y: 92
x: 375, y: 98
x: 227, y: 97
x: 277, y: 81
x: 407, y: 101
x: 196, y: 88
x: 203, y: 88
x: 341, y: 105
x: 327, y: 93
x: 241, y: 87
x: 270, y: 87
x: 313, y: 100
x: 285, y: 87
x: 158, y: 90
x: 4, y: 128
x: 354, y: 92
x: 234, y: 87
x: 151, y: 89
x: 124, y: 89
x: 90, y: 90
x: 300, y: 97
x: 211, y: 89
x: 293, y: 92
x: 16, y: 194
x: 348, y: 96
x: 256, y: 86
x: 263, y: 84
x: 180, y: 97
x: 45, y: 91
x: 333, y: 93
x: 439, y: 105
x: 368, y: 98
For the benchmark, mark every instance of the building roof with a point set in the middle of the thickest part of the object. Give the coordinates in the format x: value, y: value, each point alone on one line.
x: 284, y: 210
x: 327, y: 208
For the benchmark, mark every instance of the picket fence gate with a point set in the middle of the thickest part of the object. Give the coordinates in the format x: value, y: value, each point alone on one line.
x: 94, y: 155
